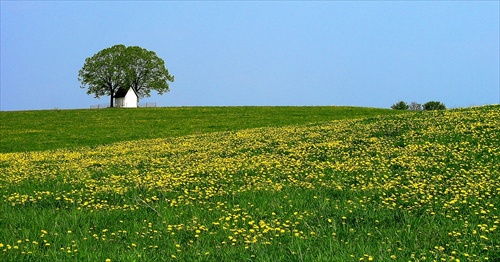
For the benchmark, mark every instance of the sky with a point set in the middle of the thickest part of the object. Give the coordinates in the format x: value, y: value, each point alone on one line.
x: 259, y: 53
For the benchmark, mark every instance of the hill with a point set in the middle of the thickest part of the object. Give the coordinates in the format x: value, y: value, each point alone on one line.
x: 419, y: 186
x: 52, y: 129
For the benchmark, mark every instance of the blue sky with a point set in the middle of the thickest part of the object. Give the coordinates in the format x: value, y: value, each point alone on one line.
x: 259, y: 53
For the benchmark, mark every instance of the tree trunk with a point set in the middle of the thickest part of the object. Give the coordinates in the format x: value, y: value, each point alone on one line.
x: 111, y: 100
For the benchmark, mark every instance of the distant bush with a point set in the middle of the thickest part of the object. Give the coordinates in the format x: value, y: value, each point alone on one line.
x: 414, y: 106
x: 434, y: 105
x: 401, y: 105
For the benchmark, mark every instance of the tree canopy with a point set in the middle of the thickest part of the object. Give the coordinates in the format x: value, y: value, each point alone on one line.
x: 121, y: 67
x: 401, y: 105
x: 434, y: 105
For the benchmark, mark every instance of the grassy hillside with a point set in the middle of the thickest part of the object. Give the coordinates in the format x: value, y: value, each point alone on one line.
x: 51, y: 129
x: 413, y: 187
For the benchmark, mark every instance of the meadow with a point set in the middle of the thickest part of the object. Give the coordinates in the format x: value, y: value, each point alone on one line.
x: 420, y: 186
x: 54, y: 129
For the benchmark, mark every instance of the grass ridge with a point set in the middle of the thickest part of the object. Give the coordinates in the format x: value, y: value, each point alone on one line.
x: 51, y: 129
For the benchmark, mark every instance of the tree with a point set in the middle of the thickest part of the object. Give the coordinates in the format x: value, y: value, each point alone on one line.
x: 401, y: 105
x: 414, y: 106
x: 120, y: 67
x: 434, y: 105
x: 146, y: 72
x: 104, y: 72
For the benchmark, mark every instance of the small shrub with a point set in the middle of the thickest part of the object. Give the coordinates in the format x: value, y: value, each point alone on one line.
x: 434, y: 105
x: 401, y: 105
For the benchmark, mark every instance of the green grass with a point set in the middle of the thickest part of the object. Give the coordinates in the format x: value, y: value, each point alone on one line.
x: 52, y: 129
x: 420, y: 186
